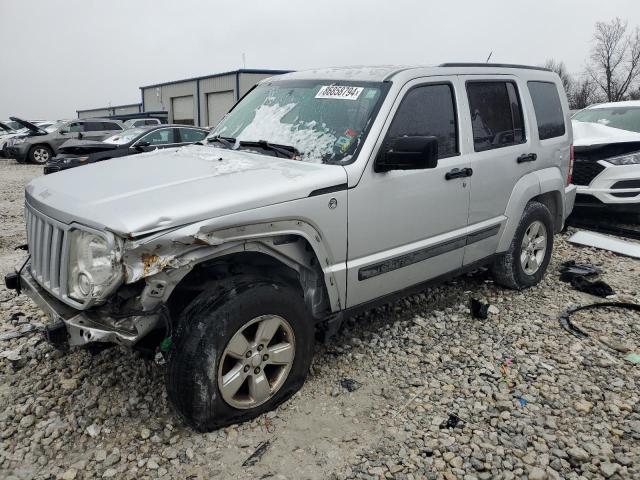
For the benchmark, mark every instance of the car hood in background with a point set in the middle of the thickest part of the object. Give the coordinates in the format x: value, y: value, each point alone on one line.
x: 77, y: 147
x: 4, y: 129
x: 591, y: 134
x: 173, y: 187
x: 30, y: 126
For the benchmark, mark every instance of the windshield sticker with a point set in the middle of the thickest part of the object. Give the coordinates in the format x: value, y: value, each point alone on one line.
x: 339, y: 92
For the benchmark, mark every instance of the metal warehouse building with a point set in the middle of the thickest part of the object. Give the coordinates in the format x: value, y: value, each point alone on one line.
x: 205, y: 100
x: 109, y: 111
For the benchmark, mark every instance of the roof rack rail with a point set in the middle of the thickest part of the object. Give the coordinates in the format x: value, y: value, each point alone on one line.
x: 499, y: 65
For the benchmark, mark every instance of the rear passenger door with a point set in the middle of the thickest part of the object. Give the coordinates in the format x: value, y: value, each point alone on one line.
x: 501, y: 153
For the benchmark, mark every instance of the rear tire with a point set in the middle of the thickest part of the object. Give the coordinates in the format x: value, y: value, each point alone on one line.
x: 40, y: 154
x: 527, y: 259
x: 220, y: 371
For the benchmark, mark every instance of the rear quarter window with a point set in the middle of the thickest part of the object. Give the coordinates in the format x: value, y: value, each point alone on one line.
x: 549, y: 114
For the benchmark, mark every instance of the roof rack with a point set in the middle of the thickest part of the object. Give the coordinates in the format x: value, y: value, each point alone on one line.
x: 498, y: 65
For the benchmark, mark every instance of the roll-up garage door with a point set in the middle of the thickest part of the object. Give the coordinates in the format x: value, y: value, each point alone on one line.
x: 182, y: 110
x: 218, y: 104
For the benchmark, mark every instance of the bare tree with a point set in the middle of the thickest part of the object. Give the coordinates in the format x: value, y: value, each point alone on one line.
x: 615, y: 59
x: 561, y: 69
x: 583, y: 94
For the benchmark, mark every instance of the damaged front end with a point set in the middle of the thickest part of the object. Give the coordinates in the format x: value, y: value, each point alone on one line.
x: 101, y: 289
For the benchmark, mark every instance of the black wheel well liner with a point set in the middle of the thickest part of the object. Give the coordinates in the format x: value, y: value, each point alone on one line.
x: 309, y: 279
x: 553, y: 201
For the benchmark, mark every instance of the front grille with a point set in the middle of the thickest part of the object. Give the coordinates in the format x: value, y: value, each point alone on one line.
x: 47, y: 241
x: 584, y: 171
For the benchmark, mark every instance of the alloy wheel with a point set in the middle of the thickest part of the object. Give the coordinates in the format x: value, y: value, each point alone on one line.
x: 533, y: 248
x: 256, y: 362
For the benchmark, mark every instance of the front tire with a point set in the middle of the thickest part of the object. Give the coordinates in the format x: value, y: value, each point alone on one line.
x: 240, y: 349
x: 40, y: 154
x: 527, y: 259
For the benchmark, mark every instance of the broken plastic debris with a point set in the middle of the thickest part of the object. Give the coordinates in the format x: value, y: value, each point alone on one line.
x: 633, y: 358
x: 349, y: 384
x: 479, y: 309
x: 570, y: 327
x: 523, y: 401
x: 452, y: 422
x: 578, y: 275
x: 257, y: 454
x: 597, y: 240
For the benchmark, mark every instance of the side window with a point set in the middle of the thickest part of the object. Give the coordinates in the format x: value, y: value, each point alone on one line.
x: 428, y: 110
x: 76, y: 127
x: 546, y: 104
x: 191, y: 135
x: 151, y: 122
x: 93, y: 127
x: 496, y: 115
x: 110, y: 126
x: 159, y: 137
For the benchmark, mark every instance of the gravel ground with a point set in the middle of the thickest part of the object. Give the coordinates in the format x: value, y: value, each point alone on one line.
x: 438, y: 395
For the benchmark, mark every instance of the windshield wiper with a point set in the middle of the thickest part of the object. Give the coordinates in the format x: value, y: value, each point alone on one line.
x: 287, y: 150
x: 228, y: 142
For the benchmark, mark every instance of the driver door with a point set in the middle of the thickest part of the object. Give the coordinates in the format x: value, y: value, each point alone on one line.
x: 409, y: 226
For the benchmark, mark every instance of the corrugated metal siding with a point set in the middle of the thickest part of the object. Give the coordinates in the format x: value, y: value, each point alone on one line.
x: 248, y: 80
x: 213, y: 85
x: 127, y: 109
x: 96, y: 112
x: 163, y: 102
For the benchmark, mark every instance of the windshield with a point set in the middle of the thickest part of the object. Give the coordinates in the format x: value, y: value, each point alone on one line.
x: 53, y: 127
x: 324, y: 122
x: 616, y: 117
x: 125, y: 137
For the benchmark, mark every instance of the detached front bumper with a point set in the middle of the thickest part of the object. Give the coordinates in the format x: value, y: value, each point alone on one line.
x: 84, y: 327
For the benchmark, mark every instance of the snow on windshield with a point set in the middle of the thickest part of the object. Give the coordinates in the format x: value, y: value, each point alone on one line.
x: 324, y: 123
x: 312, y: 141
x: 124, y: 137
x: 616, y: 117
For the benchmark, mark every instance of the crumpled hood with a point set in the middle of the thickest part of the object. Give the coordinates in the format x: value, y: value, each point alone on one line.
x: 173, y: 187
x: 587, y: 134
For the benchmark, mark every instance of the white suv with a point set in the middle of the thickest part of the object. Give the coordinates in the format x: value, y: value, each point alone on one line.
x: 320, y: 194
x: 607, y: 156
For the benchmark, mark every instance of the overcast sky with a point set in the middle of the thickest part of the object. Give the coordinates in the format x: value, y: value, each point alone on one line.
x: 59, y: 56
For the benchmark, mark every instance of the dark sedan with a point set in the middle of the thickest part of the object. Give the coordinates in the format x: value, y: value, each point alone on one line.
x: 75, y: 153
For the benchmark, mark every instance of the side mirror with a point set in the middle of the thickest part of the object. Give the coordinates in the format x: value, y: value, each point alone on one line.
x: 408, y: 153
x: 64, y: 131
x: 141, y: 145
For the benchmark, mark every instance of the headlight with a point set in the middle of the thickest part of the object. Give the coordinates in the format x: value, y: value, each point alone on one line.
x: 18, y: 140
x: 94, y: 266
x: 631, y: 159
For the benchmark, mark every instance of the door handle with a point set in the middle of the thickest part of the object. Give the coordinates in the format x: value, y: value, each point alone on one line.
x: 458, y: 173
x: 527, y: 157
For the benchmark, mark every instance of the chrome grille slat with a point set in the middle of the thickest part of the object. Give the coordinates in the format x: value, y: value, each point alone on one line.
x: 46, y: 239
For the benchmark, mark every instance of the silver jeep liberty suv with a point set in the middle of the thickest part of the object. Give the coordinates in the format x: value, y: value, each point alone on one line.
x: 319, y: 194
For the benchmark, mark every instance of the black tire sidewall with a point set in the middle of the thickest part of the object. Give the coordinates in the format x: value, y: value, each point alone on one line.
x: 207, y: 325
x: 534, y: 212
x: 34, y: 148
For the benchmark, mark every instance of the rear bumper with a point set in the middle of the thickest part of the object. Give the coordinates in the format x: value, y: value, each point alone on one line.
x: 569, y: 200
x: 84, y: 327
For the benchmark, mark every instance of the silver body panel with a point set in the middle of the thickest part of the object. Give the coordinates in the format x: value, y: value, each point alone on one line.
x: 385, y: 231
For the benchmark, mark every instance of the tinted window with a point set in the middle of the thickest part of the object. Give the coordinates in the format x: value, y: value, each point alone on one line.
x: 111, y: 126
x: 191, y: 135
x: 546, y: 103
x: 159, y: 137
x: 93, y: 127
x: 428, y: 111
x: 76, y: 127
x: 151, y: 122
x: 496, y: 115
